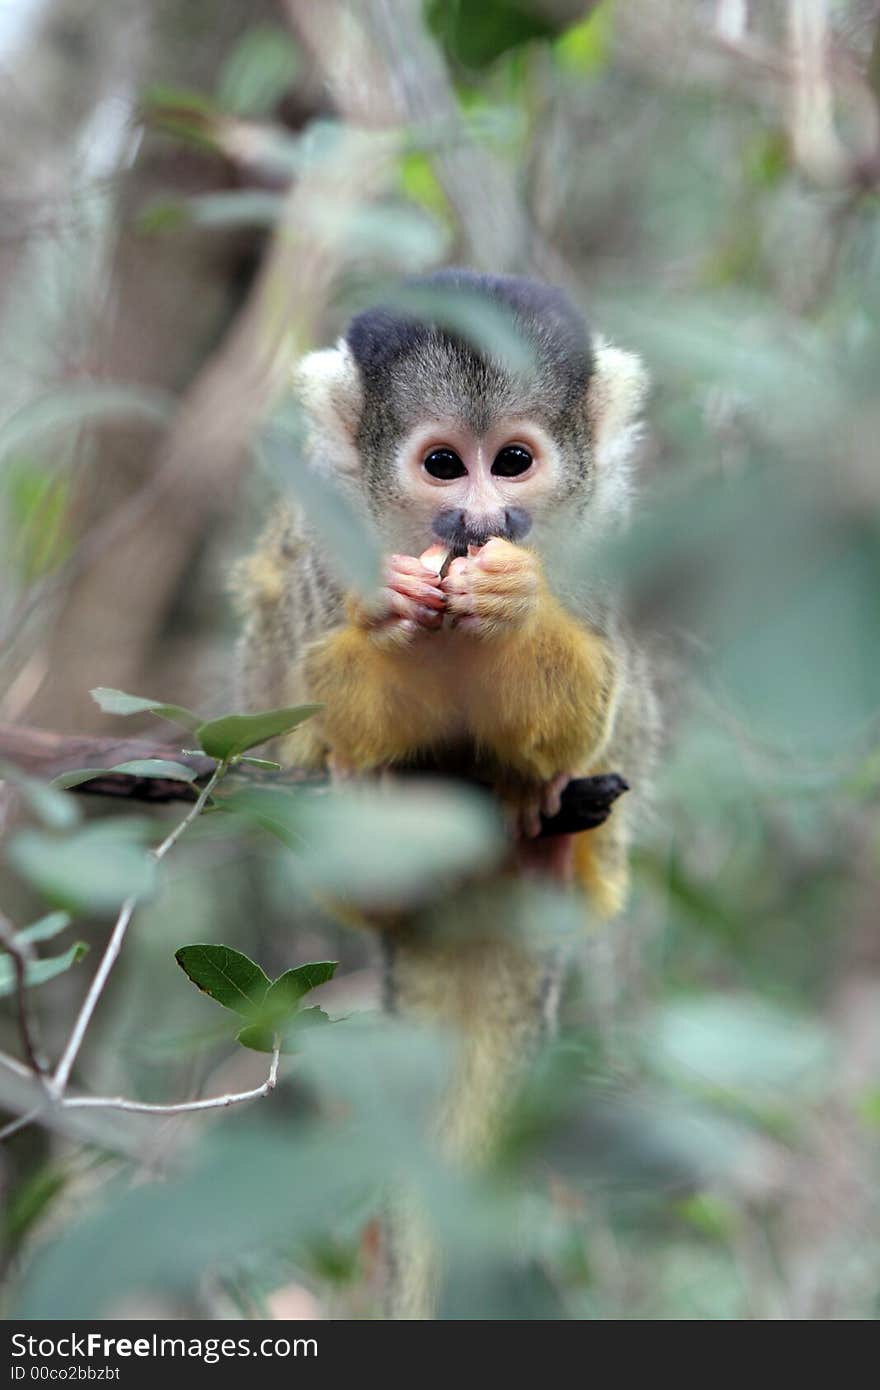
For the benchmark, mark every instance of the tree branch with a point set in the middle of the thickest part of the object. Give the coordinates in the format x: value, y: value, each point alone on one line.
x: 27, y: 1026
x: 114, y: 945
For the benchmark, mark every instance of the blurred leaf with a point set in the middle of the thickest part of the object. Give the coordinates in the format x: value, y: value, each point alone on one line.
x: 421, y: 184
x: 476, y: 32
x: 736, y: 1043
x: 234, y: 733
x: 261, y: 68
x: 487, y: 325
x: 273, y: 1183
x: 139, y: 767
x: 118, y: 702
x: 265, y: 763
x: 226, y: 975
x: 386, y: 846
x: 710, y: 1214
x: 50, y: 805
x: 95, y: 869
x: 68, y: 407
x: 38, y: 972
x: 586, y: 47
x: 46, y: 928
x: 398, y: 236
x: 29, y: 1201
x: 276, y: 810
x: 39, y: 499
x: 338, y: 522
x: 234, y: 207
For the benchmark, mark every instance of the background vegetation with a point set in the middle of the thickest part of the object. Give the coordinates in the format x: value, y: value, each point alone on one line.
x: 191, y: 194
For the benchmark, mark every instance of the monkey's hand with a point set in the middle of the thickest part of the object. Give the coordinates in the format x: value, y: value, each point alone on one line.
x: 410, y: 601
x: 494, y: 589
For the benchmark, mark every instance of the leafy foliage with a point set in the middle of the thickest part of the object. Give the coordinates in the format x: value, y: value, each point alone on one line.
x: 271, y: 1008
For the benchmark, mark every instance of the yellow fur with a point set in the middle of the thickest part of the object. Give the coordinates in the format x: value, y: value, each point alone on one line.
x: 535, y: 692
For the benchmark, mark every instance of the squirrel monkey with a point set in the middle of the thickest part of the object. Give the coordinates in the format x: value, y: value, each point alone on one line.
x: 476, y: 654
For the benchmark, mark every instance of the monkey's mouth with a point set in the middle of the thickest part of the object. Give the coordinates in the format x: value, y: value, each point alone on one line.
x: 459, y: 532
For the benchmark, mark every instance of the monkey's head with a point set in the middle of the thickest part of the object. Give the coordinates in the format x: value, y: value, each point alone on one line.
x: 454, y: 443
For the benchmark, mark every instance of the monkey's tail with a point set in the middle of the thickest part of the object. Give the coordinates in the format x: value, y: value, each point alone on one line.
x: 496, y: 997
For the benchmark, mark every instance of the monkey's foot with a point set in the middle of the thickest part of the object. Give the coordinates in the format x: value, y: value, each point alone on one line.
x: 525, y: 807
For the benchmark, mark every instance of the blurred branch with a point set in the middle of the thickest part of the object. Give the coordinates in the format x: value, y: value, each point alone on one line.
x: 55, y: 1088
x: 817, y: 76
x: 585, y: 804
x: 384, y: 69
x: 46, y: 754
x: 114, y: 945
x: 204, y: 455
x: 815, y: 144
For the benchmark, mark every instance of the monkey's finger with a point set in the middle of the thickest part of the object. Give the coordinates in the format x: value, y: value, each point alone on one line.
x: 409, y: 564
x: 551, y: 795
x: 433, y: 558
x: 499, y: 554
x: 410, y: 587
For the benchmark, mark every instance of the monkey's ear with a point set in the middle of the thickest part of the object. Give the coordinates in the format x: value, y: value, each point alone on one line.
x: 328, y: 386
x: 615, y: 396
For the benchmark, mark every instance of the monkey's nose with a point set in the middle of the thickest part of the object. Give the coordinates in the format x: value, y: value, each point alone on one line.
x: 519, y: 523
x: 449, y: 525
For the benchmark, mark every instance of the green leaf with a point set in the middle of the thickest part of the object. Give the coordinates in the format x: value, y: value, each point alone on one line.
x: 76, y: 777
x: 257, y: 1038
x: 47, y: 802
x: 235, y: 733
x: 95, y: 869
x: 228, y: 976
x: 156, y: 767
x: 45, y: 928
x: 118, y: 702
x: 293, y: 984
x: 284, y: 995
x: 138, y: 767
x: 261, y: 762
x: 260, y: 1037
x: 38, y: 972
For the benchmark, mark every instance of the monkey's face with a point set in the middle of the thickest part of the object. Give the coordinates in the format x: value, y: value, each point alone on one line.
x: 458, y: 484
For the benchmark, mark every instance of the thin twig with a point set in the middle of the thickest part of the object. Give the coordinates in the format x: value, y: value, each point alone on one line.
x: 22, y: 1121
x: 114, y: 945
x: 27, y: 1026
x: 182, y: 1107
x: 12, y: 1064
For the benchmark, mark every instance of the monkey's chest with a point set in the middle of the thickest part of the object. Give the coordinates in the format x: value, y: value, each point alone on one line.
x: 446, y: 685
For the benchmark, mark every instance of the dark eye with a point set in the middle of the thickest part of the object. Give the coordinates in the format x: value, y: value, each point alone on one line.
x: 511, y: 461
x: 444, y: 464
